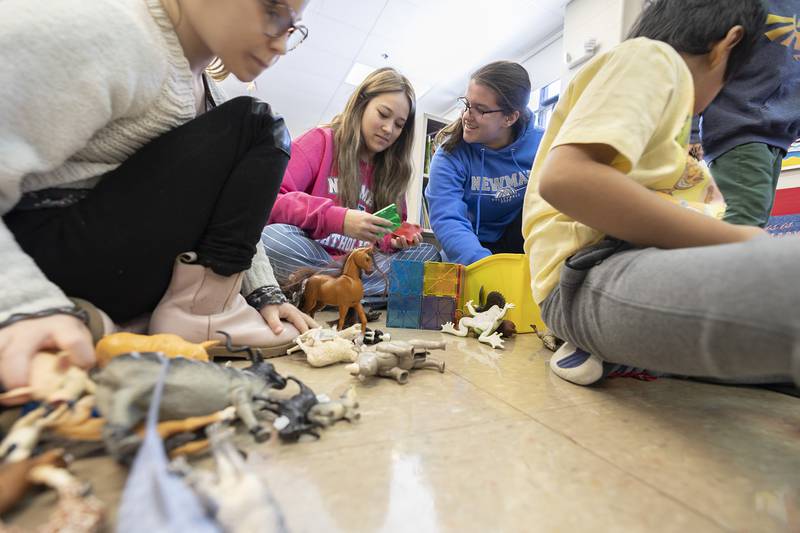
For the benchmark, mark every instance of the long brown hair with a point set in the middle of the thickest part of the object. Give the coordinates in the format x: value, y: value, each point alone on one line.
x: 392, y: 167
x: 511, y: 85
x: 217, y: 70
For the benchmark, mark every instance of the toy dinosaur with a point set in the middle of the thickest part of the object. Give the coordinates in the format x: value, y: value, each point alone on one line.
x: 168, y: 344
x: 483, y: 324
x: 192, y: 388
x: 395, y: 359
x: 324, y: 346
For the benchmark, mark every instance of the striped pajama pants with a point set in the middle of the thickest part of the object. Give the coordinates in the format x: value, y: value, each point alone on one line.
x: 289, y: 248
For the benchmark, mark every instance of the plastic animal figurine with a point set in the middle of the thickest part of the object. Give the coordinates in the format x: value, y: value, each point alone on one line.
x: 53, y: 379
x: 352, y: 318
x: 77, y: 423
x: 507, y: 329
x: 24, y: 434
x: 550, y: 341
x: 395, y: 359
x: 192, y: 388
x: 235, y: 495
x: 170, y: 345
x: 76, y: 512
x: 344, y: 291
x: 324, y: 347
x: 171, y: 428
x: 375, y: 336
x: 155, y: 499
x: 15, y: 479
x: 292, y: 421
x: 483, y: 324
x: 328, y: 413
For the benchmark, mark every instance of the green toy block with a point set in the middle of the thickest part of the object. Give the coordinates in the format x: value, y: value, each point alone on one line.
x: 390, y: 213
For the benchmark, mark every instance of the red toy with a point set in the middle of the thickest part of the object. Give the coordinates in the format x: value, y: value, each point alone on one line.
x: 408, y: 230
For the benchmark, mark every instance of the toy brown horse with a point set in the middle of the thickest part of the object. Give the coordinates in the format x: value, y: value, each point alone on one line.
x: 344, y: 291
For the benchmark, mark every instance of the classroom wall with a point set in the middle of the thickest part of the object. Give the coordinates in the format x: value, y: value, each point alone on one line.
x: 546, y: 65
x: 607, y: 21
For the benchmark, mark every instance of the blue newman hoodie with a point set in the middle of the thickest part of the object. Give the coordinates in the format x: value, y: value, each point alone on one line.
x: 475, y: 192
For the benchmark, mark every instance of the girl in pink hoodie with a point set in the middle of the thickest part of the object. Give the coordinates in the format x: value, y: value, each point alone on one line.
x: 338, y: 175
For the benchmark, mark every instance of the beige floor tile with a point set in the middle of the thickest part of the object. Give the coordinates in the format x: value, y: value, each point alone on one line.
x: 429, y: 401
x: 498, y: 443
x: 501, y: 476
x: 731, y: 453
x: 520, y: 374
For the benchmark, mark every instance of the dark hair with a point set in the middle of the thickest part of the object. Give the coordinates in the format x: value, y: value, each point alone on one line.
x: 694, y: 26
x: 511, y: 84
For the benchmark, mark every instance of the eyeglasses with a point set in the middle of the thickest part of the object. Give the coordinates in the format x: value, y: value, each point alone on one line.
x: 281, y: 21
x: 469, y: 108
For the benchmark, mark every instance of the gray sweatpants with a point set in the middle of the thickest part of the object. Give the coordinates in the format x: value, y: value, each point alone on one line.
x: 729, y: 312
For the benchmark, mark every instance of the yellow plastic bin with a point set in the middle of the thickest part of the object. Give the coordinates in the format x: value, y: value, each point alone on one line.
x: 510, y: 275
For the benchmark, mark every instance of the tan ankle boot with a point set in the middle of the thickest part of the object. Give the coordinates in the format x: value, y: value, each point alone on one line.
x: 199, y: 302
x: 100, y: 324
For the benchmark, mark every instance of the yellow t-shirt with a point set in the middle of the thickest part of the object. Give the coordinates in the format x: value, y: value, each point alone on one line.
x: 637, y: 98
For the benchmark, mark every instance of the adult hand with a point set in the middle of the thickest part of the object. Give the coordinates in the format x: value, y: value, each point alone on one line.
x: 273, y: 314
x: 364, y: 226
x: 20, y: 341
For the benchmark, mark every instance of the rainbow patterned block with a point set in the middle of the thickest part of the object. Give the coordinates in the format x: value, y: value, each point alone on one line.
x: 437, y: 310
x: 443, y: 279
x: 404, y: 311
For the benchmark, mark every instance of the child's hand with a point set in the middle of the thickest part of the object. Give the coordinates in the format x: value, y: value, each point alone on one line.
x: 19, y: 342
x: 400, y: 243
x: 364, y: 226
x: 273, y: 314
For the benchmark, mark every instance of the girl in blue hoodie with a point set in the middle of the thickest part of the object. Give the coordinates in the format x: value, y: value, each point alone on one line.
x: 479, y: 173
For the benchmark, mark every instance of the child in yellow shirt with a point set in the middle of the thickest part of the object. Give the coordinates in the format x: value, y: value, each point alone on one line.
x: 630, y: 261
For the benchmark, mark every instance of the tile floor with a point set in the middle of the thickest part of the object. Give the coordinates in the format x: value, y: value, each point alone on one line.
x: 498, y: 443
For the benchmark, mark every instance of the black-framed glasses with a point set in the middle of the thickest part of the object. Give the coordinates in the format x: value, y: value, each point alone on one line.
x: 469, y: 108
x: 281, y: 20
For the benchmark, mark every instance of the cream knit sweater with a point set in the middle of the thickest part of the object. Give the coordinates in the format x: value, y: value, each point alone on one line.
x: 86, y: 84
